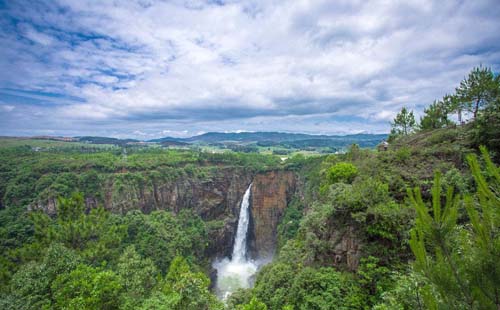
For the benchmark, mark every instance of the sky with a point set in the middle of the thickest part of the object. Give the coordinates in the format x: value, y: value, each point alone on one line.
x: 146, y: 69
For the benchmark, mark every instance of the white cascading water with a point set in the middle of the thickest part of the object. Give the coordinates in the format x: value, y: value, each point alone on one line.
x: 240, y: 242
x: 236, y: 272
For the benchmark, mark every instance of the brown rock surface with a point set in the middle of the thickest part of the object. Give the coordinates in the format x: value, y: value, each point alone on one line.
x: 271, y: 193
x: 347, y: 250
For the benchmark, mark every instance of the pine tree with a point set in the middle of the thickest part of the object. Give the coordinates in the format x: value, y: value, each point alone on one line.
x: 454, y: 104
x: 403, y: 124
x: 484, y: 214
x: 475, y: 91
x: 487, y: 125
x: 461, y: 262
x: 436, y: 116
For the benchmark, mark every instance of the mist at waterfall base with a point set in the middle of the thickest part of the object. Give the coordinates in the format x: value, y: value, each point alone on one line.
x: 237, y: 272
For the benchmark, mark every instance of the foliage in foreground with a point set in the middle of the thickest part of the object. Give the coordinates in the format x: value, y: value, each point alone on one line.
x: 98, y: 260
x: 461, y: 261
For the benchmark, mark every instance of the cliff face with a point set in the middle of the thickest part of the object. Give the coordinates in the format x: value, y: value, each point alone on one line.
x: 212, y: 196
x: 271, y: 193
x: 215, y: 196
x: 347, y: 247
x: 339, y: 243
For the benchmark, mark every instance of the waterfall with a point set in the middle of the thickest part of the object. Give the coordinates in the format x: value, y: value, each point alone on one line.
x: 240, y: 242
x: 237, y: 272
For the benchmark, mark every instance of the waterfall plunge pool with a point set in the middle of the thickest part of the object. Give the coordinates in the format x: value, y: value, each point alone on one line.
x: 233, y: 275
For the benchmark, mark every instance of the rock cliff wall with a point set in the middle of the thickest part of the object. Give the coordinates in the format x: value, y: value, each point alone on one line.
x: 346, y: 247
x: 215, y: 196
x: 271, y: 193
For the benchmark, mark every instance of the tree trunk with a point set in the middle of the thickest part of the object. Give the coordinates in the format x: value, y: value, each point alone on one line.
x: 476, y: 107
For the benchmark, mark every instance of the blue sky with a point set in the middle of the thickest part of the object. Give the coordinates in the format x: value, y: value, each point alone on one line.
x: 148, y: 69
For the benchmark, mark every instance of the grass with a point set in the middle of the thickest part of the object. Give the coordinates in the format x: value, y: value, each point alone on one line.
x: 12, y: 142
x: 8, y: 142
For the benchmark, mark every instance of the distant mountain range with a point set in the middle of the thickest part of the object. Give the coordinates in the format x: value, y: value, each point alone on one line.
x: 279, y: 138
x: 106, y: 140
x: 262, y: 139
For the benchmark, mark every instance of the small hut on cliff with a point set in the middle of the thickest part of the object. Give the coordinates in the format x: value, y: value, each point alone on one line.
x: 383, y: 146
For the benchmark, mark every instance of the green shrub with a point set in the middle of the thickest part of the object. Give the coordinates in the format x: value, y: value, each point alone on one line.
x: 289, y: 225
x: 403, y: 154
x: 342, y: 172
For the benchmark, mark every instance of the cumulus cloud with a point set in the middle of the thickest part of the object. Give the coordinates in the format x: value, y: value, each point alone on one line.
x: 7, y: 108
x: 145, y: 68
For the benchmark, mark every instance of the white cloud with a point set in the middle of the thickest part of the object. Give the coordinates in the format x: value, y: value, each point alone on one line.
x: 207, y: 66
x: 7, y: 107
x: 36, y: 36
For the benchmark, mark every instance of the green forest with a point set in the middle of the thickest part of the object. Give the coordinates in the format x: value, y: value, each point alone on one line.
x: 424, y: 212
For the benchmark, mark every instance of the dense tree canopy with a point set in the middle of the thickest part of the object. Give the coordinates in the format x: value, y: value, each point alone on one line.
x: 98, y: 260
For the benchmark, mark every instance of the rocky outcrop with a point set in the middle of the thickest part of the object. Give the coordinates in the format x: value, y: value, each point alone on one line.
x: 347, y: 249
x: 271, y: 193
x: 212, y: 197
x: 339, y: 243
